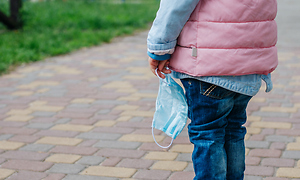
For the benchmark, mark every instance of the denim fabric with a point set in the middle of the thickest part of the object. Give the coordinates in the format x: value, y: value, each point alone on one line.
x: 216, y: 130
x: 246, y: 84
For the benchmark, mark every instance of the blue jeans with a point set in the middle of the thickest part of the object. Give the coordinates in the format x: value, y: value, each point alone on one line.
x: 216, y: 130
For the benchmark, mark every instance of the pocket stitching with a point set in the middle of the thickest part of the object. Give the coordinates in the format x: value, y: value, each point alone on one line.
x: 209, y: 90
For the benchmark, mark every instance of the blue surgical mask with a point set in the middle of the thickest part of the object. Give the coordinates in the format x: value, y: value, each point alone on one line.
x: 171, y: 109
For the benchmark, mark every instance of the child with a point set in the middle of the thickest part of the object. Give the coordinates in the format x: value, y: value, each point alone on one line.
x: 220, y: 49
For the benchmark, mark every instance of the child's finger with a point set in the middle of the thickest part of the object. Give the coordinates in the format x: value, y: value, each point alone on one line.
x: 160, y: 74
x: 162, y: 65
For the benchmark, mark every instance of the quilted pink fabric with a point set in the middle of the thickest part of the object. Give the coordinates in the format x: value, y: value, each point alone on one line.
x: 232, y: 37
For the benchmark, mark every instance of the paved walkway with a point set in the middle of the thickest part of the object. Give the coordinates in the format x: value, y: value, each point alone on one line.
x: 87, y: 116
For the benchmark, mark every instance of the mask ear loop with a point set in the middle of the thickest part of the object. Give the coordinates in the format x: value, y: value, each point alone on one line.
x: 165, y: 147
x: 163, y: 80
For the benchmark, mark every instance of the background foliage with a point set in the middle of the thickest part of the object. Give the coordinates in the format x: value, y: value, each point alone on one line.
x: 56, y: 27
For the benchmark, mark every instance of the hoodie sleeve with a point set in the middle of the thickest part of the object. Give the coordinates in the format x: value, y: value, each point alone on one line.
x: 170, y: 19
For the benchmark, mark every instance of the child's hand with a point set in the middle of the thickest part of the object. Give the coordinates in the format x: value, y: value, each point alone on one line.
x: 161, y: 65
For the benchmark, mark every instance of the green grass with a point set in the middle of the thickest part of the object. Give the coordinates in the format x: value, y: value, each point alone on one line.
x: 58, y: 27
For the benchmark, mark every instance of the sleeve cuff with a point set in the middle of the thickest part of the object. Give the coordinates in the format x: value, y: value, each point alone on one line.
x: 159, y: 57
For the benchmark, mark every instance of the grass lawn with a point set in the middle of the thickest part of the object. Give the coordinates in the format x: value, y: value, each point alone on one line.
x: 61, y: 26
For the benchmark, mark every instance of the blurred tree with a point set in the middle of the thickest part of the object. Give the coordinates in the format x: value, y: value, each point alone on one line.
x: 14, y: 20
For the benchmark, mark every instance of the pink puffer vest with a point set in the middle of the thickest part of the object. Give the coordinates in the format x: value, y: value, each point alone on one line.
x: 228, y: 37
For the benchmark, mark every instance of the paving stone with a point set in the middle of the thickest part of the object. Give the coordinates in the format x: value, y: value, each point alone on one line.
x: 252, y: 160
x: 293, y: 146
x: 66, y: 168
x: 74, y: 150
x: 288, y: 132
x: 136, y: 119
x: 259, y: 171
x: 247, y: 177
x: 141, y: 138
x: 161, y: 156
x: 187, y: 157
x: 83, y: 100
x: 257, y: 144
x: 11, y: 124
x: 265, y: 153
x: 43, y: 114
x: 256, y: 137
x: 120, y: 130
x: 74, y: 115
x: 105, y: 123
x: 55, y: 177
x: 275, y: 178
x: 22, y: 175
x: 136, y: 163
x: 40, y: 125
x: 17, y: 130
x: 62, y: 120
x: 278, y: 162
x: 57, y: 133
x: 24, y: 138
x: 4, y: 173
x: 103, y: 111
x: 43, y: 120
x: 37, y: 147
x: 111, y: 161
x: 278, y: 138
x: 190, y: 167
x: 120, y: 153
x: 278, y: 145
x: 288, y: 172
x: 134, y: 124
x: 275, y: 125
x: 24, y: 155
x: 170, y: 165
x: 72, y: 127
x: 45, y: 108
x: 19, y: 118
x: 138, y: 113
x: 88, y: 143
x: 291, y: 154
x: 90, y: 160
x: 180, y: 139
x: 86, y: 122
x: 59, y: 141
x: 180, y: 148
x: 270, y: 114
x: 99, y: 136
x: 63, y: 158
x: 86, y: 177
x: 148, y: 131
x: 268, y: 131
x: 126, y: 107
x: 117, y: 144
x: 27, y: 165
x: 152, y: 174
x: 124, y: 118
x: 118, y: 172
x: 19, y: 112
x: 2, y: 160
x: 253, y: 130
x: 280, y: 109
x: 6, y: 145
x: 182, y: 175
x: 5, y: 136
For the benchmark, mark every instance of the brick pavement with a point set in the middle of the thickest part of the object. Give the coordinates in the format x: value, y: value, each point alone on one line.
x: 87, y: 116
